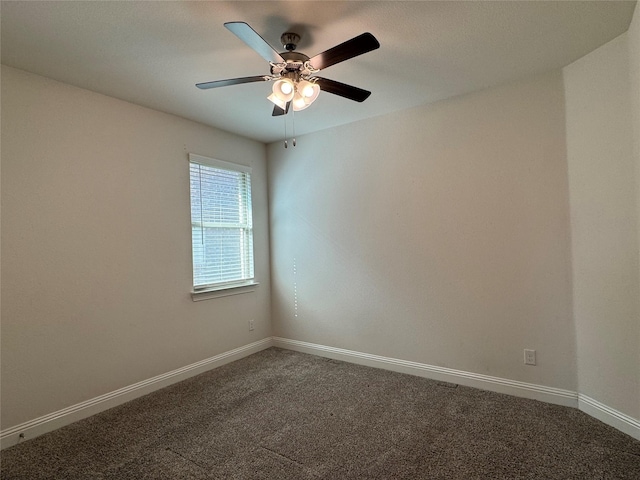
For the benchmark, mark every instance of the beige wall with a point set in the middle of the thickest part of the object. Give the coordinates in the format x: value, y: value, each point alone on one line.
x: 604, y: 224
x: 96, y: 252
x: 438, y: 234
x: 634, y: 75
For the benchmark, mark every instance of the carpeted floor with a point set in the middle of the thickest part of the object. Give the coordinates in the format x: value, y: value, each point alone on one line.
x: 282, y: 415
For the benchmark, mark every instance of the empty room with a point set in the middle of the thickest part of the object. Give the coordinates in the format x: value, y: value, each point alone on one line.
x: 320, y: 240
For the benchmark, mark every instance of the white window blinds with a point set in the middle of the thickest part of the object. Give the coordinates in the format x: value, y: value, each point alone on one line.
x: 221, y: 223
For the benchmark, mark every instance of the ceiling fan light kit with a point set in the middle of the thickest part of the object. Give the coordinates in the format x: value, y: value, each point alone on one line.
x: 301, y: 93
x: 294, y: 73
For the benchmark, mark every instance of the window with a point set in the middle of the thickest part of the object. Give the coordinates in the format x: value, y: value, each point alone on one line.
x: 221, y: 224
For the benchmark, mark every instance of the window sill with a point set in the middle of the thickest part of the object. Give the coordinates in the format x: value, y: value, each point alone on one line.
x: 224, y: 291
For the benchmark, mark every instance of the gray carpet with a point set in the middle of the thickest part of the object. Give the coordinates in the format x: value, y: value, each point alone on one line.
x: 279, y: 414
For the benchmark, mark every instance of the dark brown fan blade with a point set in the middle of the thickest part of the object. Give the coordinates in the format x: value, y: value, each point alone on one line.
x: 351, y: 48
x: 249, y: 36
x: 342, y: 89
x: 277, y: 111
x: 231, y: 81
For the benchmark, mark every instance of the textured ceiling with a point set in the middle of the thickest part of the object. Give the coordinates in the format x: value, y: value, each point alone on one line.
x: 152, y: 53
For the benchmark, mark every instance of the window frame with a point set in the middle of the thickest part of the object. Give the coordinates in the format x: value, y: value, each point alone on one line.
x: 221, y: 289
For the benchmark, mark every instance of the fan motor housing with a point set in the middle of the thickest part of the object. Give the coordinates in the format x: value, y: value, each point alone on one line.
x: 294, y: 61
x: 294, y: 57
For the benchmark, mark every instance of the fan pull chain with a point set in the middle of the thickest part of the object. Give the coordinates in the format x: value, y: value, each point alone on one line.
x: 286, y: 145
x: 293, y: 125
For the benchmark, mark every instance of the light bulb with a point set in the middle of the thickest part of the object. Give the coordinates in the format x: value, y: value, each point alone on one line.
x: 286, y: 88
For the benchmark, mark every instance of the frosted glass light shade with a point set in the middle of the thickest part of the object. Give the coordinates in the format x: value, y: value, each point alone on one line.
x: 306, y: 89
x: 299, y: 103
x: 281, y: 103
x: 284, y: 89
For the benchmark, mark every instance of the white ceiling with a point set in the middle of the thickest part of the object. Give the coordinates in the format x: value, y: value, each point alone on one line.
x: 152, y: 53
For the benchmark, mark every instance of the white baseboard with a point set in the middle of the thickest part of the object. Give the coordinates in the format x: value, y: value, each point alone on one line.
x: 600, y: 411
x: 485, y: 382
x: 610, y: 416
x: 66, y: 416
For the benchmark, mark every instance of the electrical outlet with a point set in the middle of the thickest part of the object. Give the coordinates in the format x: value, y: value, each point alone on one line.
x: 251, y: 326
x: 529, y: 357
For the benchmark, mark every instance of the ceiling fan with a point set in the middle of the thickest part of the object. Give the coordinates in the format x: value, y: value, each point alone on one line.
x: 294, y: 73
